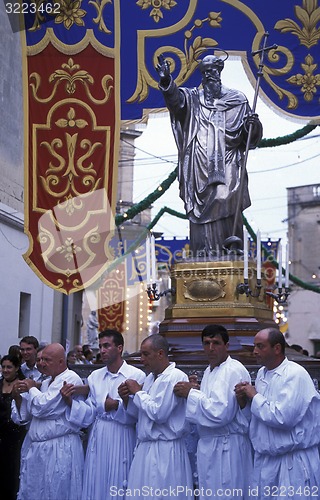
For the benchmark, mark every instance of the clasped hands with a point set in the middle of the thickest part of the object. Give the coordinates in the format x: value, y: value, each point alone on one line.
x: 128, y: 388
x: 182, y: 389
x: 244, y: 392
x: 68, y: 391
x: 23, y: 386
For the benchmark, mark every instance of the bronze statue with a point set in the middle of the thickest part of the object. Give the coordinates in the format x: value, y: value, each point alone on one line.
x: 210, y: 125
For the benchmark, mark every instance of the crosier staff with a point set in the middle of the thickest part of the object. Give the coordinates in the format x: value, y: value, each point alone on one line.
x: 233, y: 241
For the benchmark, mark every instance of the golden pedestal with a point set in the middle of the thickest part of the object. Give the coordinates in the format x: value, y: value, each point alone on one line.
x: 207, y: 293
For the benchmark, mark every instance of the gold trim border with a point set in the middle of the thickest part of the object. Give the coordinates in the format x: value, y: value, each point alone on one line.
x: 73, y: 49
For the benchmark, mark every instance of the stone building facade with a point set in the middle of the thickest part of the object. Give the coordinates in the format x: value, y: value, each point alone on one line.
x: 304, y: 241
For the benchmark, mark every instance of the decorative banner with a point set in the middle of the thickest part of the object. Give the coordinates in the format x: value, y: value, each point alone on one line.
x: 270, y: 246
x: 71, y: 141
x: 186, y: 30
x: 74, y: 53
x: 111, y: 292
x: 170, y: 251
x: 111, y: 300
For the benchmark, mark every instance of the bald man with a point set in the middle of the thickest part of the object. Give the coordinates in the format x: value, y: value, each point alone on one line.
x: 52, y: 466
x: 284, y: 425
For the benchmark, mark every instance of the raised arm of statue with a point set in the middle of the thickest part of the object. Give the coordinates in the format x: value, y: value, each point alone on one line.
x: 210, y: 124
x: 163, y: 69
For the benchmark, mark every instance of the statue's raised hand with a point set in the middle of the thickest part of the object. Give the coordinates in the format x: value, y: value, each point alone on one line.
x: 163, y: 69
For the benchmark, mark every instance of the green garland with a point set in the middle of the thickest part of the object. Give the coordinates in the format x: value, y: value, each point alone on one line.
x: 164, y: 186
x: 268, y: 255
x: 286, y: 139
x: 144, y: 204
x: 143, y: 236
x: 163, y: 211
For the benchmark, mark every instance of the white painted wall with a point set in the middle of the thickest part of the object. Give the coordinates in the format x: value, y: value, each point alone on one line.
x: 16, y: 277
x: 303, y: 318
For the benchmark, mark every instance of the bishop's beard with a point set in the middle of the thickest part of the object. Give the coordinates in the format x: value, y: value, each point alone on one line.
x: 212, y: 89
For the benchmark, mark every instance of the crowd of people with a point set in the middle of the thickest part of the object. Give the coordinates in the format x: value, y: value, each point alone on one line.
x: 256, y: 440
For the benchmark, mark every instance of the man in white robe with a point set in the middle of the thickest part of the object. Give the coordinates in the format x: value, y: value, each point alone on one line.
x: 112, y: 436
x: 161, y: 467
x: 224, y: 453
x: 285, y: 421
x: 52, y: 464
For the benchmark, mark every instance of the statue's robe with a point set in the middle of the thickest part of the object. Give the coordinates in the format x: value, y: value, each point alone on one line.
x: 211, y: 140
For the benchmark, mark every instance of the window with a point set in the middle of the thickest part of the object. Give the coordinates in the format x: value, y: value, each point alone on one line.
x: 24, y: 314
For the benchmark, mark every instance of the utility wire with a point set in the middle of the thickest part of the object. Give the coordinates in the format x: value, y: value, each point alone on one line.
x: 162, y: 158
x: 284, y: 166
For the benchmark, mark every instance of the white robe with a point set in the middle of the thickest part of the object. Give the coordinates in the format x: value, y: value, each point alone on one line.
x: 285, y: 433
x: 161, y: 464
x: 112, y: 436
x: 224, y: 454
x: 32, y: 373
x: 52, y: 463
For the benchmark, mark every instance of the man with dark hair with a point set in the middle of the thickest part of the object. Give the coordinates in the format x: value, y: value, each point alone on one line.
x: 28, y: 348
x: 88, y: 354
x: 285, y: 422
x: 112, y: 436
x: 213, y: 330
x: 276, y: 337
x: 117, y: 337
x: 210, y: 126
x: 224, y: 454
x: 161, y: 461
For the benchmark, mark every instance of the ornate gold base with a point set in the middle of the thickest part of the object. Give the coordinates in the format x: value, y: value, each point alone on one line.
x: 208, y: 293
x: 205, y: 289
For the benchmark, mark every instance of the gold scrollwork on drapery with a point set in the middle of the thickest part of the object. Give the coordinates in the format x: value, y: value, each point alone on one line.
x: 308, y: 82
x: 188, y: 58
x: 71, y: 74
x: 268, y: 72
x: 68, y: 171
x: 113, y: 293
x: 70, y: 13
x: 69, y: 168
x: 306, y: 28
x: 308, y: 34
x: 68, y: 249
x: 156, y: 6
x: 111, y: 296
x: 66, y: 12
x: 100, y: 5
x: 309, y: 16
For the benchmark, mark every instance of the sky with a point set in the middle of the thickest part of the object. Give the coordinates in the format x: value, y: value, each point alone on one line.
x: 270, y: 170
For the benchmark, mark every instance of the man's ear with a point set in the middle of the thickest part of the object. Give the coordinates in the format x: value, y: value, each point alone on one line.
x: 277, y: 348
x: 161, y: 353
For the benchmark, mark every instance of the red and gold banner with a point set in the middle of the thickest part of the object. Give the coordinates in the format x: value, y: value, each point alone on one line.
x: 71, y: 143
x: 111, y: 299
